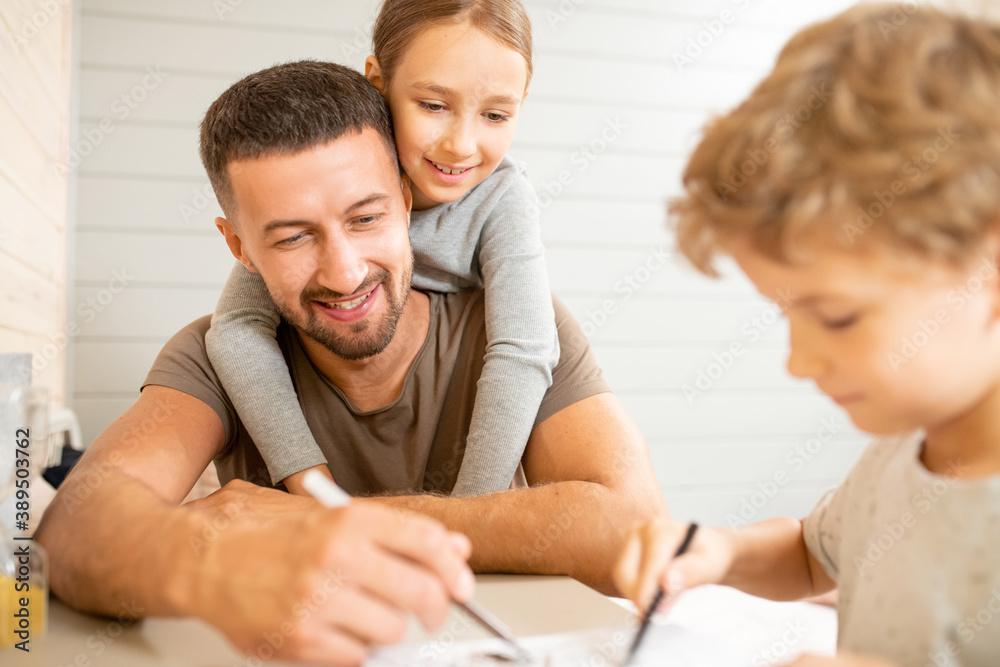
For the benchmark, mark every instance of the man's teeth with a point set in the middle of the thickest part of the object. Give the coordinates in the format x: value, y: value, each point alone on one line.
x: 450, y: 171
x: 347, y: 305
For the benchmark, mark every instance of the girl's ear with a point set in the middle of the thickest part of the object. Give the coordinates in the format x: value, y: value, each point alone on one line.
x: 404, y: 183
x: 373, y: 72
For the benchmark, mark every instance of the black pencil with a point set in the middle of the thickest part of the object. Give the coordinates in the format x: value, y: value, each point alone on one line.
x: 658, y: 598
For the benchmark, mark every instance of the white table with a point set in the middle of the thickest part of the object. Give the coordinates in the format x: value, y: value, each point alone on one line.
x: 529, y: 605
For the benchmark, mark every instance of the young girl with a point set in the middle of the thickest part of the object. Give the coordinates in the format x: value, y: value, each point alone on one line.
x: 472, y: 225
x: 880, y: 211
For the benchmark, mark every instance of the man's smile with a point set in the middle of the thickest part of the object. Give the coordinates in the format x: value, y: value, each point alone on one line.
x: 353, y: 309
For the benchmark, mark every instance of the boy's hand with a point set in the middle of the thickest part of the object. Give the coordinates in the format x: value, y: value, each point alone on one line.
x: 294, y: 481
x: 647, y: 560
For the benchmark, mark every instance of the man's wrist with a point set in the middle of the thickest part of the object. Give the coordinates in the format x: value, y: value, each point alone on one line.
x: 183, y: 567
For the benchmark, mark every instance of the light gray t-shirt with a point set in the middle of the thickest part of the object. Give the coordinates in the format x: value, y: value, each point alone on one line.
x: 916, y: 556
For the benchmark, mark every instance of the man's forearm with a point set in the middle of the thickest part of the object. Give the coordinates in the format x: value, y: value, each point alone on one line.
x: 573, y: 528
x: 770, y: 560
x: 117, y: 549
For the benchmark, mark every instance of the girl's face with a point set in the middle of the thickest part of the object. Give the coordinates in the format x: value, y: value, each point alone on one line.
x: 897, y: 346
x: 454, y: 96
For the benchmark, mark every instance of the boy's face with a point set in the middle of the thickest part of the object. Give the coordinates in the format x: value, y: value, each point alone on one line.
x: 897, y: 346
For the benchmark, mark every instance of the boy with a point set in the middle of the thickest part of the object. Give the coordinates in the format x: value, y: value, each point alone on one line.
x: 879, y: 209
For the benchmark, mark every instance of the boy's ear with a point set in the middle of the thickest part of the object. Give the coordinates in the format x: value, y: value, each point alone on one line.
x: 373, y: 72
x: 991, y: 249
x: 234, y: 242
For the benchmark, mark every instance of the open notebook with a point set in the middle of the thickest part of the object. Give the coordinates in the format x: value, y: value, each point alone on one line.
x: 668, y: 646
x: 562, y: 622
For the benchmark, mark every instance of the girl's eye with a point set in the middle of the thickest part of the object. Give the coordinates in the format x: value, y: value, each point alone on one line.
x: 431, y: 106
x: 495, y: 117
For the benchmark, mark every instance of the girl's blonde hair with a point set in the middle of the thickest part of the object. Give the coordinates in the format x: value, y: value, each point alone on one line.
x: 400, y: 21
x: 883, y: 122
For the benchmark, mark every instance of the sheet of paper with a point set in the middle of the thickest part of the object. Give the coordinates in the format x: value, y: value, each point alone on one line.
x: 668, y: 646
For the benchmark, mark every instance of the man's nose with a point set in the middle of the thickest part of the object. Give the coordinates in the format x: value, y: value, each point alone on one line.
x: 461, y: 138
x: 342, y: 266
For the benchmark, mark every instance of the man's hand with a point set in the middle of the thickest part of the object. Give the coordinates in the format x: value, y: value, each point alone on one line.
x: 320, y: 585
x: 647, y: 560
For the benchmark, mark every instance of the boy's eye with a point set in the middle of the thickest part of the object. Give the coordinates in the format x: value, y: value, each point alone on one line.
x: 431, y: 106
x: 841, y: 322
x: 495, y: 117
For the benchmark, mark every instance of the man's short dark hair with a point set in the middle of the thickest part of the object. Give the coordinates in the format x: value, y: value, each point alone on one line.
x: 286, y: 109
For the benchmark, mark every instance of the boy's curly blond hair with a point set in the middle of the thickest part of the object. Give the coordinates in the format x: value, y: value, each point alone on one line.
x: 881, y: 123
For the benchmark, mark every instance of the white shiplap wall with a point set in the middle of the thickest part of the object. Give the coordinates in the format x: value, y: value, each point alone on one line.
x: 35, y: 67
x: 143, y: 211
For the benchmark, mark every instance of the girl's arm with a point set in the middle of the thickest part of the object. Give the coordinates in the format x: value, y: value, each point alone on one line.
x: 243, y: 350
x: 522, y: 346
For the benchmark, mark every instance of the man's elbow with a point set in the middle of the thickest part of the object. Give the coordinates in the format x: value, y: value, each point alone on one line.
x: 55, y: 535
x: 638, y: 500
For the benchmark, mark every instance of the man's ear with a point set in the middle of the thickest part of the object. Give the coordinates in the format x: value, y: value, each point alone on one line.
x: 373, y: 72
x: 234, y: 242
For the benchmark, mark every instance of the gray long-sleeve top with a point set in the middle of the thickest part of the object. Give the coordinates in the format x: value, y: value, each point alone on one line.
x: 489, y: 238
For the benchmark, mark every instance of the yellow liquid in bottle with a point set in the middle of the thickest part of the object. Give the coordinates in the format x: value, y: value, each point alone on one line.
x: 10, y: 604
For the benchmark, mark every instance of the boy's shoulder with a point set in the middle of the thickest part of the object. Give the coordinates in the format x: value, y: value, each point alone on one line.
x: 887, y: 452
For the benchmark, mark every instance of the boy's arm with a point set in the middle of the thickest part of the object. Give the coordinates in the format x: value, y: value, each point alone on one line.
x: 767, y: 559
x: 522, y: 346
x: 245, y: 355
x: 771, y: 561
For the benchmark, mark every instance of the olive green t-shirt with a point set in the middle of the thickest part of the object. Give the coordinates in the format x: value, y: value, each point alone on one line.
x: 415, y: 443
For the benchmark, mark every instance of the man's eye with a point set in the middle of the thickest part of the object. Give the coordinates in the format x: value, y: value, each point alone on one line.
x: 431, y: 106
x: 495, y: 117
x: 292, y: 239
x: 368, y: 219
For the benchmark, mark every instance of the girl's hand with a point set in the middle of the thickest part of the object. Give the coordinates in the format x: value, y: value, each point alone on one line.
x: 294, y: 481
x: 842, y: 660
x: 647, y: 560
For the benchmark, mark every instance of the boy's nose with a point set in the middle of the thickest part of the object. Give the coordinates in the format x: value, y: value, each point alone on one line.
x: 804, y: 361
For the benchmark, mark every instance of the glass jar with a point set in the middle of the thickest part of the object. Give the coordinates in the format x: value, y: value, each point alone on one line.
x: 24, y: 579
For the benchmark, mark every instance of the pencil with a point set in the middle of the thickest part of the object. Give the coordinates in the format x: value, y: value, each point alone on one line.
x: 658, y: 598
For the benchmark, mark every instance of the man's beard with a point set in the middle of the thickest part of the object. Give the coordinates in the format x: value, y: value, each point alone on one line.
x: 371, y: 337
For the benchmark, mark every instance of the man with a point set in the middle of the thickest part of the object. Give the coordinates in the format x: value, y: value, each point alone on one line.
x: 315, y: 203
